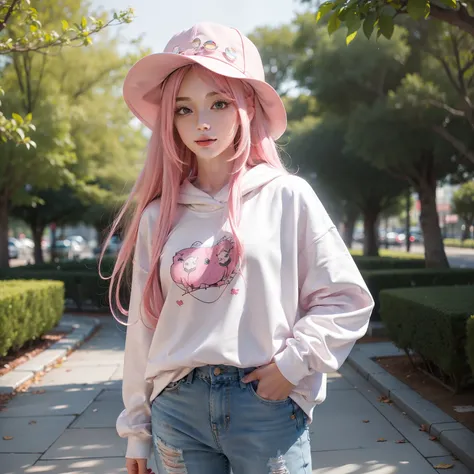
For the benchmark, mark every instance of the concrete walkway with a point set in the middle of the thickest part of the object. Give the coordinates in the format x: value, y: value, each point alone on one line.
x: 66, y: 422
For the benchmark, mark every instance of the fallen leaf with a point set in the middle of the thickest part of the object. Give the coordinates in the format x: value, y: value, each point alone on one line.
x: 32, y: 422
x: 401, y: 441
x: 365, y: 421
x: 423, y: 428
x: 443, y: 465
x: 7, y: 438
x: 381, y: 440
x: 384, y: 399
x: 433, y: 438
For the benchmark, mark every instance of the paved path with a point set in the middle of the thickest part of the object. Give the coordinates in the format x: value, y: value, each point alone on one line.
x: 66, y: 422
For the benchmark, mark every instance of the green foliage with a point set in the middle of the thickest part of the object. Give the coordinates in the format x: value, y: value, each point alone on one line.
x: 467, y: 244
x: 387, y: 263
x: 28, y: 309
x: 278, y: 54
x: 378, y: 280
x: 431, y: 322
x: 392, y: 254
x: 23, y: 31
x: 463, y: 203
x: 82, y: 283
x: 470, y: 342
x: 379, y: 16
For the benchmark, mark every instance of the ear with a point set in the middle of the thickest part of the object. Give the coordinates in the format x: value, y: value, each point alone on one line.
x: 250, y: 100
x: 251, y: 112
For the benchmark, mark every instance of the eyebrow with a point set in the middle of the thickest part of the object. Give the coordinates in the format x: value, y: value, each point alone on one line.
x: 210, y: 94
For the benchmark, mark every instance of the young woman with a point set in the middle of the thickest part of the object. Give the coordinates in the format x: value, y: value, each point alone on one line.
x: 243, y: 294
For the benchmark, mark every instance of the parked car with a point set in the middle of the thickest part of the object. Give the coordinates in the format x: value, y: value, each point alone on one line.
x: 79, y: 240
x: 112, y: 249
x: 388, y: 238
x: 13, y: 248
x: 67, y: 249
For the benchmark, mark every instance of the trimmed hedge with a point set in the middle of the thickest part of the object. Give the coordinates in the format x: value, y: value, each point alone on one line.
x: 79, y: 286
x: 466, y: 244
x: 390, y: 253
x: 69, y: 265
x: 82, y: 282
x: 470, y: 342
x: 431, y: 322
x: 387, y: 263
x: 28, y: 309
x: 378, y: 280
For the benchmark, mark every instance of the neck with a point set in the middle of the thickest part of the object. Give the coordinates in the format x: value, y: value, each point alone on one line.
x: 213, y: 175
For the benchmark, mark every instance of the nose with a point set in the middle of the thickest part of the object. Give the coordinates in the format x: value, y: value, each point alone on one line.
x: 203, y: 127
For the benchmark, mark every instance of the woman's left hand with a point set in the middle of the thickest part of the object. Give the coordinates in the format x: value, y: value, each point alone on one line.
x: 272, y: 385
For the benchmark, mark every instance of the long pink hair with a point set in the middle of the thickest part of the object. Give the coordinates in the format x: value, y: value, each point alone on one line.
x: 168, y: 163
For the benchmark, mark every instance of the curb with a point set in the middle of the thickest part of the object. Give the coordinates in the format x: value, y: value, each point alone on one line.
x: 82, y: 328
x: 451, y: 434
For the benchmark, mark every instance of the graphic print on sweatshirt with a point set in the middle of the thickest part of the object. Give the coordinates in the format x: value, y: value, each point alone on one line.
x: 205, y: 272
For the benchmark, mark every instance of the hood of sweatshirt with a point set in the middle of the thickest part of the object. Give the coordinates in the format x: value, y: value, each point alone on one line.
x: 253, y: 179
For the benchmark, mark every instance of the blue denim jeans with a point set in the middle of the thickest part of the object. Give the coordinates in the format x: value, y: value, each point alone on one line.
x: 210, y: 422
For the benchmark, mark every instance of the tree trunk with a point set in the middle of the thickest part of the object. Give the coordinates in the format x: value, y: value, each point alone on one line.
x: 371, y: 241
x: 37, y: 231
x: 4, y: 262
x: 348, y: 228
x: 435, y: 255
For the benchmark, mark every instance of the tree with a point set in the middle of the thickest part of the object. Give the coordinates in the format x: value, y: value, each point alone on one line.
x: 463, y: 206
x: 317, y: 146
x: 106, y: 147
x: 278, y: 54
x: 22, y: 33
x: 380, y: 16
x: 30, y: 48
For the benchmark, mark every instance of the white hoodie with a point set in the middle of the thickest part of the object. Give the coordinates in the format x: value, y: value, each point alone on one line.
x: 298, y: 298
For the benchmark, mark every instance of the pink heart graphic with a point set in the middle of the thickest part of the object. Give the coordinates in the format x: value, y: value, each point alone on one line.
x: 179, y: 302
x: 205, y: 271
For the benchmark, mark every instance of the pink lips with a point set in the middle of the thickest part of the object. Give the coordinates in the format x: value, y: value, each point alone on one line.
x: 205, y: 142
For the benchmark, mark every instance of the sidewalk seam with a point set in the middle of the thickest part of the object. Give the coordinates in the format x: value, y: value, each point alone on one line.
x: 81, y: 331
x: 383, y: 385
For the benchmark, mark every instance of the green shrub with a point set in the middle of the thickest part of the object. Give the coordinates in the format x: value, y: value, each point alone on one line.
x: 431, y: 322
x: 470, y: 342
x: 81, y: 265
x: 468, y: 243
x: 378, y: 280
x: 387, y: 263
x: 28, y: 309
x: 80, y: 285
x: 391, y: 253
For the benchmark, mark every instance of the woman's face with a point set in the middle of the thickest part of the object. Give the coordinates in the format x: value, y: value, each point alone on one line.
x: 205, y: 120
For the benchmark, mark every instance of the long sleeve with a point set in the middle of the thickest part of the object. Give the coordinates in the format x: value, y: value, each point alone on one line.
x: 134, y: 422
x: 334, y: 301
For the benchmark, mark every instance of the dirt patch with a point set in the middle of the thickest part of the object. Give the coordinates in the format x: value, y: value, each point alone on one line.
x: 367, y: 339
x: 401, y: 368
x: 15, y: 358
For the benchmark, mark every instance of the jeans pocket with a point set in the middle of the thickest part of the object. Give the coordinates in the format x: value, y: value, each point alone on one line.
x: 173, y: 386
x: 253, y: 386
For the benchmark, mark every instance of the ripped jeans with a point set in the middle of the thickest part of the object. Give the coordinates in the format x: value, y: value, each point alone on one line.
x: 210, y: 422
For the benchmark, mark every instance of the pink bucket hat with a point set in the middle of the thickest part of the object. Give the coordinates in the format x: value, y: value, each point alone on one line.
x: 220, y: 49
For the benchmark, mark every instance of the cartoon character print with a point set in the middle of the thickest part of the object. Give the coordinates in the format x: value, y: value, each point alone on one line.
x: 204, y: 272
